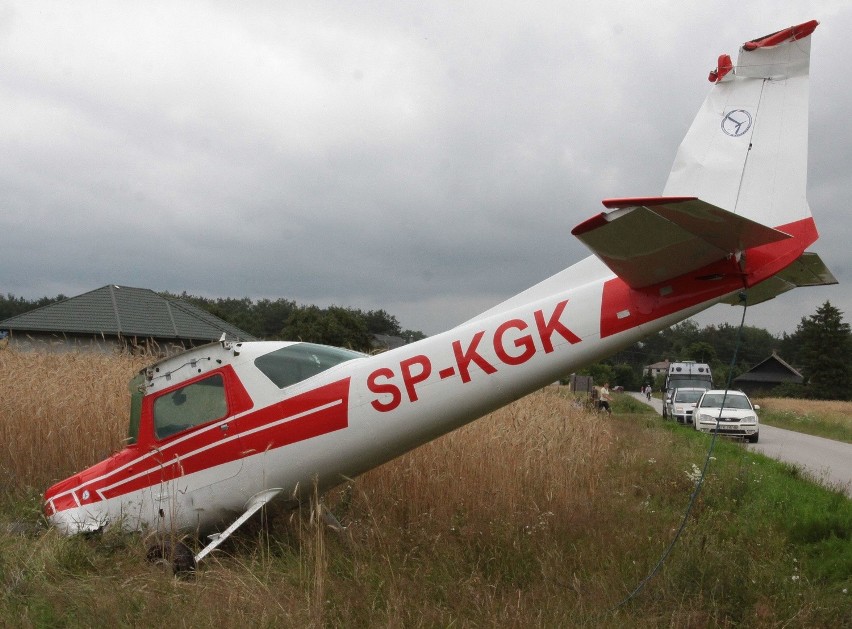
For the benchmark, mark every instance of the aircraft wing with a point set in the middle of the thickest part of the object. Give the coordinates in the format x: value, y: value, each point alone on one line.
x: 649, y: 240
x: 807, y: 270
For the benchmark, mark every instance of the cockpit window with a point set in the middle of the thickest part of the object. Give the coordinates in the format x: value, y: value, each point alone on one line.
x: 294, y: 363
x: 189, y: 406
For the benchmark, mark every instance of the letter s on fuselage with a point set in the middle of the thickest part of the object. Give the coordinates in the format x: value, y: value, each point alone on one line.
x: 511, y: 342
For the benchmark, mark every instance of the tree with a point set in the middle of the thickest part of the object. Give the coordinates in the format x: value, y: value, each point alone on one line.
x: 824, y: 352
x: 625, y: 376
x: 336, y: 326
x: 271, y: 317
x: 380, y: 322
x: 700, y: 352
x: 600, y: 373
x: 412, y: 335
x: 11, y: 306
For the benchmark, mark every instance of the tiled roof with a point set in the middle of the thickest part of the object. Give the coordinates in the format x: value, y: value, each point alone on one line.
x: 130, y: 312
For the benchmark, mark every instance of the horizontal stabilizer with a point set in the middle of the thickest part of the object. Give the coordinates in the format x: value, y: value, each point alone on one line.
x: 649, y: 240
x: 807, y: 270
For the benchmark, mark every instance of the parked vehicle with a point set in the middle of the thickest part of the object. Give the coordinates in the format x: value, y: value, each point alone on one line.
x: 682, y: 402
x: 685, y: 374
x: 731, y: 411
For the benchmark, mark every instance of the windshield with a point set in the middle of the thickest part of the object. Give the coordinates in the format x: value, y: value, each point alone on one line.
x: 687, y: 383
x: 731, y: 401
x: 688, y: 396
x: 294, y: 363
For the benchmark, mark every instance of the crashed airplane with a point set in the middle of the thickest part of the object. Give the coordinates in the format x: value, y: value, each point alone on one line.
x: 220, y: 430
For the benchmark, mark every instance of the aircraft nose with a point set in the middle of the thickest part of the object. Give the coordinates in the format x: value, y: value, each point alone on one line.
x: 73, y: 521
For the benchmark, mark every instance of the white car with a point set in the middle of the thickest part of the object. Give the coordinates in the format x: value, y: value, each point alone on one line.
x: 738, y: 417
x: 682, y: 402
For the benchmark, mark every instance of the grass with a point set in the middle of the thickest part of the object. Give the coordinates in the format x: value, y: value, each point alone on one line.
x: 830, y: 419
x: 539, y: 515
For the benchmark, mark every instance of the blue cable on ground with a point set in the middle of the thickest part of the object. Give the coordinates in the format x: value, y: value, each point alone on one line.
x: 656, y: 569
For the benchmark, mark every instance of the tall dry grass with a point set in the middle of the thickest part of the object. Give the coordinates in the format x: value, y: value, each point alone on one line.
x: 833, y: 411
x: 60, y: 413
x: 831, y: 419
x: 482, y: 505
x: 528, y: 458
x: 538, y: 515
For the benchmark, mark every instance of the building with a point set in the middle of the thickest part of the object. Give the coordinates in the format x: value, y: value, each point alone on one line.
x: 656, y: 369
x: 117, y: 317
x: 386, y: 342
x: 766, y: 375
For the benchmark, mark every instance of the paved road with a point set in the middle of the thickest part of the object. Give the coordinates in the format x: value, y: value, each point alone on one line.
x: 828, y: 461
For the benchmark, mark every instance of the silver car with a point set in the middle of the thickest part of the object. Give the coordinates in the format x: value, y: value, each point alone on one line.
x: 731, y: 411
x: 682, y: 402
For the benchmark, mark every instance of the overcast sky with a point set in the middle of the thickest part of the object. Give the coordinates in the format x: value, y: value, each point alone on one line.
x: 425, y: 158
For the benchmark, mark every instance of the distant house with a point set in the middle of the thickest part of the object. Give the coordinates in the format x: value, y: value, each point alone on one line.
x: 657, y: 368
x: 118, y: 317
x: 385, y: 342
x: 766, y: 375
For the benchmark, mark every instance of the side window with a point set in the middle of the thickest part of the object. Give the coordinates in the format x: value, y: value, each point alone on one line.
x: 189, y: 406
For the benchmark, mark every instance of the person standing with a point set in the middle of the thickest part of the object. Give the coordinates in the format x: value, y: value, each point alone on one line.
x: 605, y: 398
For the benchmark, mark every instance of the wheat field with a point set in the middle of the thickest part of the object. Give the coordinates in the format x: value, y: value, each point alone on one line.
x: 834, y: 411
x: 538, y: 515
x: 61, y: 412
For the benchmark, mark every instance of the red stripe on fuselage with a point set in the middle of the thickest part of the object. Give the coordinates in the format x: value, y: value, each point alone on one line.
x: 305, y: 416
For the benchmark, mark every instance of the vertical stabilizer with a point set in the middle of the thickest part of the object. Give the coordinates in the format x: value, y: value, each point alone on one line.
x: 746, y: 151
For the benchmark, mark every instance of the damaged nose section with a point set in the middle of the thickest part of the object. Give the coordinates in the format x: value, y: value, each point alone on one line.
x: 71, y: 509
x: 74, y: 521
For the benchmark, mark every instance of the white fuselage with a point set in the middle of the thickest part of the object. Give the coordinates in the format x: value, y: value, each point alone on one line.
x: 396, y: 401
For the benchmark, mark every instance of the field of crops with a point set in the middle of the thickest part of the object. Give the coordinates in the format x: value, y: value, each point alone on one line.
x: 823, y: 418
x: 538, y: 515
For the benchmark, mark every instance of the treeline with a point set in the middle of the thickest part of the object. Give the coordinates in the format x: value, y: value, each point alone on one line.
x: 11, y: 306
x: 282, y: 319
x: 820, y: 349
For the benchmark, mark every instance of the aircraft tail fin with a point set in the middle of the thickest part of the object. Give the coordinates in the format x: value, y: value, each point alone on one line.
x: 734, y: 212
x: 746, y: 151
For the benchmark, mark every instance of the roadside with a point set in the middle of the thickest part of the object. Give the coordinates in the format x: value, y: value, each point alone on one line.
x: 655, y: 403
x: 831, y: 419
x: 827, y: 461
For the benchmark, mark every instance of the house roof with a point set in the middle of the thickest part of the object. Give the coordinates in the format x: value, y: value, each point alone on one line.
x: 124, y: 311
x: 771, y: 369
x: 663, y: 364
x: 388, y: 341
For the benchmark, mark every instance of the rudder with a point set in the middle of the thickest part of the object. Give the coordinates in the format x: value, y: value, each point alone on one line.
x: 746, y: 150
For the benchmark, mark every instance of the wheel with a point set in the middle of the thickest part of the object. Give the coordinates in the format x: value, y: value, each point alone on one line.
x: 753, y: 438
x: 171, y: 555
